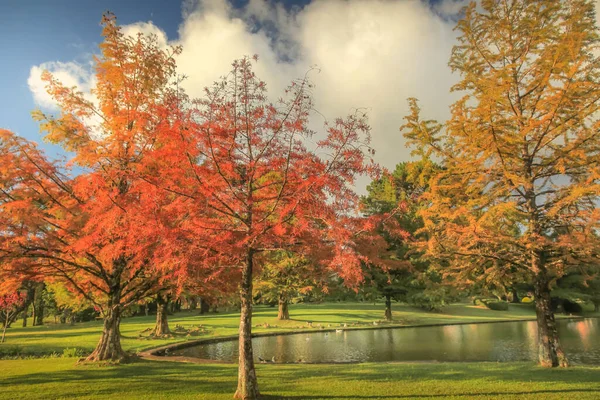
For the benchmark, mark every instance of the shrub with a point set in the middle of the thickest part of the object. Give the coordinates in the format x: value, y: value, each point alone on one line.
x: 71, y: 352
x: 479, y: 301
x: 497, y: 305
x: 13, y: 351
x: 428, y: 300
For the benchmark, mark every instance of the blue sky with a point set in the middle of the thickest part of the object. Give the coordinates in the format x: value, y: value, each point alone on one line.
x: 344, y: 38
x: 36, y: 31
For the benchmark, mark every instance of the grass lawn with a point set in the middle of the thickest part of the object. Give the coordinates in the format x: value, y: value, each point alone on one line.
x: 60, y: 379
x: 54, y: 338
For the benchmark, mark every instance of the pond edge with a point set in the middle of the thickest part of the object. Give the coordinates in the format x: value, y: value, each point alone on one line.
x: 159, y: 353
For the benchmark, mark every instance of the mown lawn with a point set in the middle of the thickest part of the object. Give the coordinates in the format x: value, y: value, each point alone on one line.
x: 54, y: 338
x: 61, y: 379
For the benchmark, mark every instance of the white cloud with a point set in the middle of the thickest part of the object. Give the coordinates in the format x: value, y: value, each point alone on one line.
x: 147, y: 28
x: 71, y: 74
x: 372, y: 54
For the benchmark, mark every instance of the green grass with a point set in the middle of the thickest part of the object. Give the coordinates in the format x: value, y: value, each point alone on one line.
x: 54, y: 338
x: 60, y: 379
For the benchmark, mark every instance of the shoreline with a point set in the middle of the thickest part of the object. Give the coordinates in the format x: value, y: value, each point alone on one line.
x: 154, y: 354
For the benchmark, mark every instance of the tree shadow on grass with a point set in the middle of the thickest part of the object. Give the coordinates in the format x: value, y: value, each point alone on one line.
x: 491, y: 372
x: 429, y: 396
x: 137, y: 377
x: 173, y: 379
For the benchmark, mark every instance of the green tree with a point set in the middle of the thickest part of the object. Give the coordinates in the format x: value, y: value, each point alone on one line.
x: 286, y: 278
x: 412, y: 281
x: 65, y: 304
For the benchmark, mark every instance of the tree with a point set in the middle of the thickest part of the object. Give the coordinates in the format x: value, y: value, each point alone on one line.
x: 94, y: 231
x: 162, y: 310
x: 248, y: 186
x: 65, y: 303
x: 411, y: 279
x: 284, y: 278
x: 519, y: 188
x: 10, y: 307
x: 581, y: 285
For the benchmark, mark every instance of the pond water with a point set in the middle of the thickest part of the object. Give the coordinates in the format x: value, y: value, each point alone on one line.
x: 505, y: 341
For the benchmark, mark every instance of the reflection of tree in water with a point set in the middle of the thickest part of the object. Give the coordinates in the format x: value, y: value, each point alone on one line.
x: 508, y: 341
x: 583, y: 329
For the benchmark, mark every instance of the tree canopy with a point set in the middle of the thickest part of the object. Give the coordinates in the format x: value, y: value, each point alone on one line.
x: 519, y: 185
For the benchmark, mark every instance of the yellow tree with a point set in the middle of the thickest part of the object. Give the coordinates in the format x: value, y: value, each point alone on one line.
x: 518, y: 193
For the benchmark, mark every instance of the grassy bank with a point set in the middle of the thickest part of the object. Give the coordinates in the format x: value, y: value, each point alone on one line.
x: 54, y: 338
x: 60, y: 379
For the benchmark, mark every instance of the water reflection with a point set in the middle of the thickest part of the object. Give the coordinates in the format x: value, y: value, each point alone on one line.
x: 508, y: 341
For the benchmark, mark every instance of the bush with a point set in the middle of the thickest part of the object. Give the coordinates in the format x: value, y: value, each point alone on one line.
x: 10, y: 351
x: 479, y: 301
x: 497, y: 305
x: 429, y: 301
x: 71, y: 352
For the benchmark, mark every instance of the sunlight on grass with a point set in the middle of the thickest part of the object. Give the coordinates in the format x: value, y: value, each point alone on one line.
x: 39, y: 379
x: 54, y: 338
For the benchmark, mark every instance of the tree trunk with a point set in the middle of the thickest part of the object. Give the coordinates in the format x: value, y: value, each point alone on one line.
x: 204, y: 306
x: 247, y: 388
x: 193, y: 303
x: 4, y: 328
x: 596, y: 307
x: 38, y: 305
x: 109, y: 346
x: 515, y: 296
x: 550, y: 352
x: 283, y: 313
x: 388, y: 307
x: 162, y: 323
x: 10, y: 319
x: 25, y: 317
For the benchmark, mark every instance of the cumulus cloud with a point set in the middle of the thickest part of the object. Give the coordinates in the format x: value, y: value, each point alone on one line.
x: 372, y: 54
x: 146, y: 28
x: 71, y: 74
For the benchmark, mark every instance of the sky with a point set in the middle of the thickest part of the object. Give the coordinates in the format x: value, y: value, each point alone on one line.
x: 369, y: 54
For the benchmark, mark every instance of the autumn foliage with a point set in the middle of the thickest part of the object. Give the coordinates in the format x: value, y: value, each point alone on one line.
x: 166, y: 194
x: 244, y: 183
x: 9, y: 307
x: 518, y: 192
x: 92, y: 229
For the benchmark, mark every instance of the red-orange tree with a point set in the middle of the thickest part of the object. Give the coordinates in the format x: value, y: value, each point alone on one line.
x: 94, y: 231
x: 10, y: 307
x: 248, y: 185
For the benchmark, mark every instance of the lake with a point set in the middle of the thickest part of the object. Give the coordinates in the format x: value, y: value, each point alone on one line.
x: 504, y: 341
